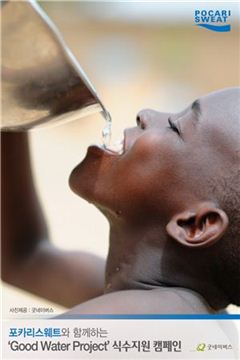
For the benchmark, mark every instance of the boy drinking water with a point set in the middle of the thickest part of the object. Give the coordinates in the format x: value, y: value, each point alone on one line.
x: 172, y: 199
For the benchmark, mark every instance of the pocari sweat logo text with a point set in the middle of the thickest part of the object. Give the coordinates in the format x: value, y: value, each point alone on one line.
x: 215, y: 20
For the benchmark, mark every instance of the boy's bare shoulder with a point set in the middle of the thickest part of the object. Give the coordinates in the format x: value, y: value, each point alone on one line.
x: 156, y: 301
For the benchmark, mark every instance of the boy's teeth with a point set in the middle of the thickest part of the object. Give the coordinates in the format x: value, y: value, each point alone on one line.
x: 116, y: 147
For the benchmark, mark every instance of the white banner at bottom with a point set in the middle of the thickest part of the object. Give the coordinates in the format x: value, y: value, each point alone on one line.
x: 120, y: 339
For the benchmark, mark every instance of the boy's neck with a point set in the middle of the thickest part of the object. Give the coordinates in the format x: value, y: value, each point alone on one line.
x: 142, y: 257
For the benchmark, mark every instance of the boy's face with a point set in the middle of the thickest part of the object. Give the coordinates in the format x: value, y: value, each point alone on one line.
x: 166, y: 164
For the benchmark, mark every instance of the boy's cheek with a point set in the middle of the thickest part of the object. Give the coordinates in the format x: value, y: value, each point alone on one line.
x: 146, y: 148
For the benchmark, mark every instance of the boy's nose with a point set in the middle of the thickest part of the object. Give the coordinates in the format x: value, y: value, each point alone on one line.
x: 151, y: 118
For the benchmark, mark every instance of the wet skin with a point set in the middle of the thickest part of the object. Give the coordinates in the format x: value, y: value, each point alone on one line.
x: 163, y: 215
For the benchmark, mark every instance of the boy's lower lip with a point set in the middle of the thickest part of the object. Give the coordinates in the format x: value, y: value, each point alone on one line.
x: 116, y: 149
x: 100, y: 151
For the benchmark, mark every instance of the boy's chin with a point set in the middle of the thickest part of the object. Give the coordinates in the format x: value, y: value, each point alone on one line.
x: 78, y: 185
x: 83, y: 186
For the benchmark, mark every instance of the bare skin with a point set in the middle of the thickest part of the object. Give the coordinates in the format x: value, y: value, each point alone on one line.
x: 166, y: 225
x: 26, y: 246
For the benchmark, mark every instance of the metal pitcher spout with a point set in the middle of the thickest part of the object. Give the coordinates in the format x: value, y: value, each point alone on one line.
x: 42, y: 82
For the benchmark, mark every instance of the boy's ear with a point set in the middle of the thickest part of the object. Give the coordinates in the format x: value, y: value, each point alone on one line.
x: 201, y: 227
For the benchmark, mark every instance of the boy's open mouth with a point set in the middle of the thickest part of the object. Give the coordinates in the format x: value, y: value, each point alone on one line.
x: 116, y: 149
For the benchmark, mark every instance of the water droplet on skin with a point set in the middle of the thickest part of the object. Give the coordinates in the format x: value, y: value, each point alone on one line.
x: 117, y: 268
